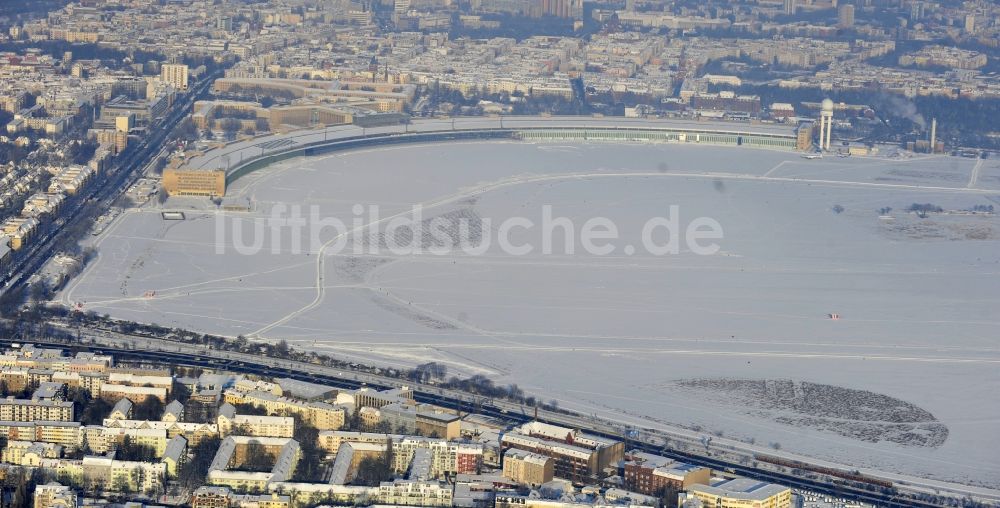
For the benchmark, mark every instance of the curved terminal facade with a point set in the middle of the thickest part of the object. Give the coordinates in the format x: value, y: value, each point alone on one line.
x: 660, y: 135
x: 237, y: 159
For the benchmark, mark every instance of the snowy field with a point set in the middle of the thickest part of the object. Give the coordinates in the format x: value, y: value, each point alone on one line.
x: 907, y: 380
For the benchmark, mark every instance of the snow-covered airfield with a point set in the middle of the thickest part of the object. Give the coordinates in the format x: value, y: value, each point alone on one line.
x: 906, y: 380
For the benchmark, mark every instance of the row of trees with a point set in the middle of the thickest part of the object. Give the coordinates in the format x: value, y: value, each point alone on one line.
x: 81, y: 151
x: 194, y: 471
x: 961, y: 122
x: 17, y: 486
x: 427, y: 372
x: 11, y: 152
x: 34, y: 326
x: 111, y: 56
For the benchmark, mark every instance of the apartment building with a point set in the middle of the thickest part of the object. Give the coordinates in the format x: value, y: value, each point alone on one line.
x: 415, y: 493
x: 229, y: 422
x: 104, y: 439
x: 67, y: 434
x: 421, y: 419
x: 28, y: 453
x: 349, y: 458
x: 137, y: 394
x: 30, y: 410
x: 321, y: 415
x: 14, y: 378
x: 332, y: 440
x: 54, y: 495
x: 653, y: 475
x: 133, y: 475
x: 233, y: 453
x: 142, y: 377
x: 271, y: 500
x: 210, y: 497
x: 175, y: 74
x: 446, y: 457
x: 174, y: 454
x: 527, y: 468
x: 173, y: 412
x: 191, y: 431
x: 577, y: 456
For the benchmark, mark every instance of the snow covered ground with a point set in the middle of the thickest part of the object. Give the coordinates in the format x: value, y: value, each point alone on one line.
x: 914, y: 357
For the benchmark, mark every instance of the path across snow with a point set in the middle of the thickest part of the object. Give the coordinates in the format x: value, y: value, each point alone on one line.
x: 615, y: 334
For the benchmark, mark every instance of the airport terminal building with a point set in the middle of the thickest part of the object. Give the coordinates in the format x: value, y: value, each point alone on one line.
x: 209, y: 173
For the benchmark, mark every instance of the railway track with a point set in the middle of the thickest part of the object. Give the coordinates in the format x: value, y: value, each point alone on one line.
x: 202, y: 357
x: 101, y: 193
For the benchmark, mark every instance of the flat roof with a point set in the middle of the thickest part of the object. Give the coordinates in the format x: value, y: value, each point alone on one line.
x: 303, y: 389
x: 526, y: 456
x: 741, y: 488
x: 251, y: 148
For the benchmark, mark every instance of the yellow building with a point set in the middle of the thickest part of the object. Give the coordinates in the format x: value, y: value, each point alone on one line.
x: 20, y: 230
x: 421, y: 419
x: 76, y: 35
x: 28, y: 410
x: 369, y: 416
x: 14, y: 378
x: 66, y: 434
x: 324, y: 416
x: 321, y: 415
x: 124, y: 474
x: 255, y: 425
x: 233, y: 454
x: 272, y: 500
x: 210, y: 497
x: 194, y: 182
x: 155, y: 439
x: 194, y: 433
x: 54, y: 495
x: 112, y: 137
x: 104, y: 439
x: 137, y: 394
x: 331, y: 440
x: 28, y: 453
x: 527, y: 468
x: 125, y: 123
x: 174, y: 455
x: 742, y: 493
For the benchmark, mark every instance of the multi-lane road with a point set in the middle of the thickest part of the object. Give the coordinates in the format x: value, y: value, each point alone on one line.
x: 119, y: 178
x: 680, y: 444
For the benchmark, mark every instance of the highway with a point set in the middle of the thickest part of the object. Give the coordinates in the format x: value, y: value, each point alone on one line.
x: 677, y: 443
x: 102, y: 191
x: 686, y: 446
